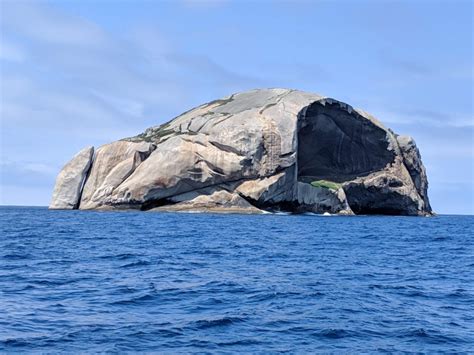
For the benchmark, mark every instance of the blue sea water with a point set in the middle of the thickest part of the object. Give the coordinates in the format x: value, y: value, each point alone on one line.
x: 161, y: 282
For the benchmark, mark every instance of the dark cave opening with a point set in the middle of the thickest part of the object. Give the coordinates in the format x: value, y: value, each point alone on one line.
x: 150, y: 204
x: 339, y: 146
x: 367, y: 210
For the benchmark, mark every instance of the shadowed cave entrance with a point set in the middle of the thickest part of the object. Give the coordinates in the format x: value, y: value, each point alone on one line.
x: 339, y: 146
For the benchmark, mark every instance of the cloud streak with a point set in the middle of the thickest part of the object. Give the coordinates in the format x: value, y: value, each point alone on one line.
x: 66, y: 80
x: 85, y: 74
x: 427, y: 117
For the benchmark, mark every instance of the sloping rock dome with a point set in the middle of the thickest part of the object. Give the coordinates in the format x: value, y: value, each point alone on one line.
x: 261, y: 150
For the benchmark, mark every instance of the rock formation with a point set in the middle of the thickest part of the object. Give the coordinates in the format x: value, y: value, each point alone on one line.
x: 261, y: 150
x: 70, y: 181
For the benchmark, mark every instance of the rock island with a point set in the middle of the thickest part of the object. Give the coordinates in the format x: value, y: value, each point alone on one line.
x: 252, y: 152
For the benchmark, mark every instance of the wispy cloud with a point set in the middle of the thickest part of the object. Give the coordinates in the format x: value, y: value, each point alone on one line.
x: 429, y: 117
x: 78, y: 72
x: 65, y: 80
x: 32, y: 172
x: 10, y: 51
x: 420, y: 117
x: 44, y: 24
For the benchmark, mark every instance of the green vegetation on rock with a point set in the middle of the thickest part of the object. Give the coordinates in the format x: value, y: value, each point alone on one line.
x: 326, y: 184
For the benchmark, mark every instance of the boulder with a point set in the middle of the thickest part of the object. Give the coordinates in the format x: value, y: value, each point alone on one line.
x: 263, y: 149
x: 70, y: 180
x: 412, y: 161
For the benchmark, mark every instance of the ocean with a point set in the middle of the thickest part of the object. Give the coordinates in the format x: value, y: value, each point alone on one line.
x: 74, y: 281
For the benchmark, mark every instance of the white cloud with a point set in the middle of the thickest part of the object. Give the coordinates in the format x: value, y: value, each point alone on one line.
x: 83, y: 72
x: 28, y: 167
x: 39, y: 168
x: 423, y: 117
x: 44, y: 24
x: 121, y: 104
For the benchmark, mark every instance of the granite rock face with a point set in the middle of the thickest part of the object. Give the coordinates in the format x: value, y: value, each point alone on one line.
x: 412, y: 161
x: 210, y: 200
x: 70, y: 180
x: 113, y: 164
x: 262, y: 150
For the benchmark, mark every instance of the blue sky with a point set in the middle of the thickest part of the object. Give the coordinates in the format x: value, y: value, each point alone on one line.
x: 76, y: 73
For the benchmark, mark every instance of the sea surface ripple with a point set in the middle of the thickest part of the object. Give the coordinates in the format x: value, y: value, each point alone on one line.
x: 177, y: 283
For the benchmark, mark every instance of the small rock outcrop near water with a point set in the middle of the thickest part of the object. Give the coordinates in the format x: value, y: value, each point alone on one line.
x: 256, y: 151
